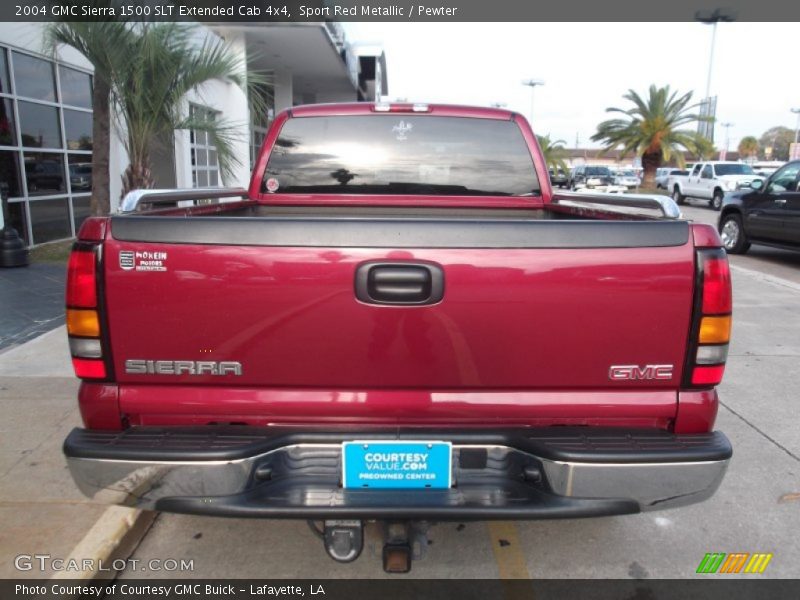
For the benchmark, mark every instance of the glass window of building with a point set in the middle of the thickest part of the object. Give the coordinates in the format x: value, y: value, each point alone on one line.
x: 5, y: 80
x: 50, y: 220
x: 80, y: 172
x: 39, y: 125
x: 45, y: 145
x: 76, y: 87
x: 44, y: 173
x: 8, y: 135
x: 9, y: 172
x: 204, y: 157
x: 80, y: 211
x: 78, y: 129
x: 34, y: 77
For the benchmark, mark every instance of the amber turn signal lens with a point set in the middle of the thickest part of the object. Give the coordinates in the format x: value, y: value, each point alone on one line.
x: 84, y: 323
x: 715, y: 330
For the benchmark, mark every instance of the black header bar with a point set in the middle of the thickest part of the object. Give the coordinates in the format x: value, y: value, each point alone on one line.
x: 708, y: 587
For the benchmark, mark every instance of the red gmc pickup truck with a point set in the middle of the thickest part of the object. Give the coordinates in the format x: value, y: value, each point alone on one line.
x: 399, y: 321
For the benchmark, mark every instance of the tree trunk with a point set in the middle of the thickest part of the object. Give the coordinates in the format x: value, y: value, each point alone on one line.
x: 100, y: 203
x: 137, y: 176
x: 650, y: 161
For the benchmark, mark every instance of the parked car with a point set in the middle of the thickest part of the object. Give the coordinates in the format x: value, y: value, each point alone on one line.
x: 80, y: 176
x: 711, y: 181
x: 663, y: 175
x: 768, y: 213
x: 405, y: 340
x: 44, y: 176
x: 627, y: 179
x: 558, y: 177
x: 590, y: 176
x: 767, y: 167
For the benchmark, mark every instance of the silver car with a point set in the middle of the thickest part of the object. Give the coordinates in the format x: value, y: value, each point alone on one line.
x: 627, y: 178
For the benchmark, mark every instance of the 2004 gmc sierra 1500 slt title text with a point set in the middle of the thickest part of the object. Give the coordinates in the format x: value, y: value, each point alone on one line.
x: 400, y: 321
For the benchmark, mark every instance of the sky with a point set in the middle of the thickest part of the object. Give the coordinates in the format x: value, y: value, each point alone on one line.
x: 587, y: 67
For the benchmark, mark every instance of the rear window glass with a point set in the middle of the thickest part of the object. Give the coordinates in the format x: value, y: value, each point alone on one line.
x: 734, y: 169
x: 400, y: 154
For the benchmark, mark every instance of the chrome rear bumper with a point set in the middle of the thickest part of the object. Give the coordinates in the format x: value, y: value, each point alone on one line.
x: 502, y: 475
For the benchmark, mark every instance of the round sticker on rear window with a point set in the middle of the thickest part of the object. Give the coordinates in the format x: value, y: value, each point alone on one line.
x: 272, y: 185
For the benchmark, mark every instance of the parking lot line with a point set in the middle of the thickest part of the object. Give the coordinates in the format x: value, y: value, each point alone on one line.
x: 764, y: 277
x: 507, y: 550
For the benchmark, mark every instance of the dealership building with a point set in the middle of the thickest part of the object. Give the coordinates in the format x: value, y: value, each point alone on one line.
x: 46, y: 116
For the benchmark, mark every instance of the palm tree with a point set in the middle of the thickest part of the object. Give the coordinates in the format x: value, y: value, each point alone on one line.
x: 554, y: 153
x: 705, y: 148
x: 143, y: 72
x: 105, y: 45
x: 748, y: 147
x: 651, y: 129
x: 170, y: 63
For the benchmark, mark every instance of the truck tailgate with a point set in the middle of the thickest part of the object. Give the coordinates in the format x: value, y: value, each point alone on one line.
x: 527, y: 318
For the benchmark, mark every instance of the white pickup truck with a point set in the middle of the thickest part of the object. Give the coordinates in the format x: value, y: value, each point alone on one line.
x: 710, y: 181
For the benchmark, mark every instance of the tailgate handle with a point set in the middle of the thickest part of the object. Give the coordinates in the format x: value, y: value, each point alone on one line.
x: 399, y: 283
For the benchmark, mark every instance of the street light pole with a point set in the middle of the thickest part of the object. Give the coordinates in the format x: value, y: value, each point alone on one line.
x: 532, y: 83
x: 797, y: 124
x: 711, y: 58
x: 727, y: 127
x: 712, y: 18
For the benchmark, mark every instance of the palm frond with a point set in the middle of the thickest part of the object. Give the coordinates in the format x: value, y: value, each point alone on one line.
x: 553, y: 151
x: 652, y: 126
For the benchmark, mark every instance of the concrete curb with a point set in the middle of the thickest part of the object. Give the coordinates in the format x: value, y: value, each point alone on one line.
x: 766, y: 278
x: 119, y: 529
x: 44, y: 356
x: 114, y: 537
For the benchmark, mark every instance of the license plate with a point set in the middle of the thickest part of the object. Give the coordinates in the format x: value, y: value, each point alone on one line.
x: 394, y: 465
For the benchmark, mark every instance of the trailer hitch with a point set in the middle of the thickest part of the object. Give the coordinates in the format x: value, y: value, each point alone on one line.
x: 343, y: 540
x: 402, y: 542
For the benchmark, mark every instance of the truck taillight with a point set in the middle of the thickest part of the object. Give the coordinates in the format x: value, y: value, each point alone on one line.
x: 711, y: 324
x: 84, y: 319
x: 82, y: 279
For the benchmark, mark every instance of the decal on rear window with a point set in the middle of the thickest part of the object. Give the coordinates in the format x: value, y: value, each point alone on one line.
x: 401, y: 130
x: 272, y: 185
